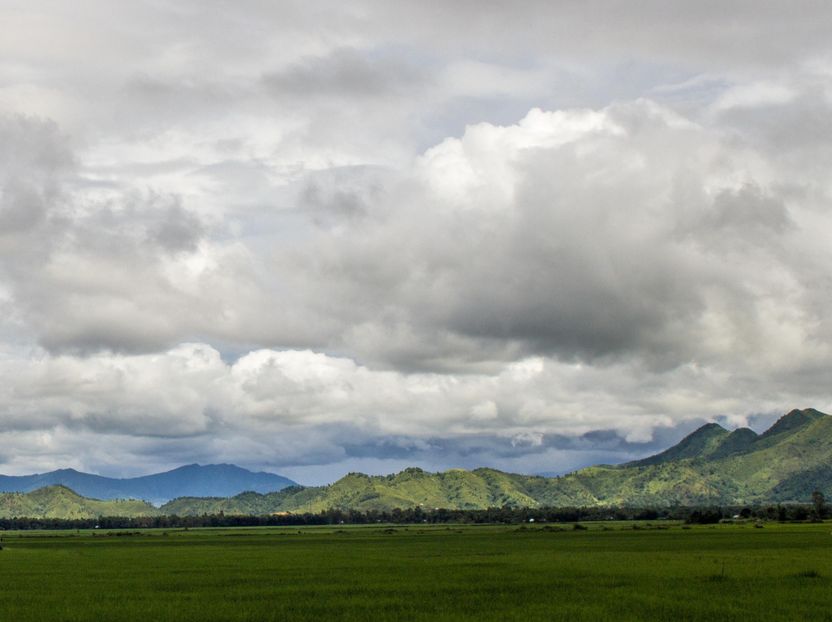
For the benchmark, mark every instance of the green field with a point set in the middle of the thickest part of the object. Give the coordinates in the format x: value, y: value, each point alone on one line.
x: 610, y: 571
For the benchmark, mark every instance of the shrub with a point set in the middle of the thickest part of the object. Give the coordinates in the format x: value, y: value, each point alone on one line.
x: 808, y: 574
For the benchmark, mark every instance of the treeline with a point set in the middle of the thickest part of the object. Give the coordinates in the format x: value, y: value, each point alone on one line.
x: 507, y: 515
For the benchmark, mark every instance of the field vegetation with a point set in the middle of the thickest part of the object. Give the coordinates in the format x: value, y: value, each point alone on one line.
x: 636, y: 570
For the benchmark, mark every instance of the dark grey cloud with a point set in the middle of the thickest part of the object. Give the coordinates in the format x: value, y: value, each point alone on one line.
x: 344, y: 194
x: 177, y: 230
x: 347, y: 73
x: 739, y: 34
x: 469, y: 449
x: 33, y: 160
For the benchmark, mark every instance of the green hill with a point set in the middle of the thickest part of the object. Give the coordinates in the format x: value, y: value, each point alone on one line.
x: 61, y: 502
x: 701, y: 444
x: 709, y: 466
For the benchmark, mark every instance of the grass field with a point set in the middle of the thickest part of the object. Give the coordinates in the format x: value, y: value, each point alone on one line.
x: 607, y: 572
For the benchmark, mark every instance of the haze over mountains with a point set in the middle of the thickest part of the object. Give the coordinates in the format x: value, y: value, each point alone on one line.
x: 710, y: 466
x: 211, y: 480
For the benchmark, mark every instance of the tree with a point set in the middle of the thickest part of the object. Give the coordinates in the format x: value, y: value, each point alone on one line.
x: 819, y: 503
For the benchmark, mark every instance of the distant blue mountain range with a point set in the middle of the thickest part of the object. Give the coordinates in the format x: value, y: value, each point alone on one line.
x: 193, y: 480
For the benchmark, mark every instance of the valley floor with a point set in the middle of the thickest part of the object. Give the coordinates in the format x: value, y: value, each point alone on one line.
x: 609, y: 571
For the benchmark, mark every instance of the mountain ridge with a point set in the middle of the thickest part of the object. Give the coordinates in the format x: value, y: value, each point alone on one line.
x: 158, y: 488
x: 710, y: 466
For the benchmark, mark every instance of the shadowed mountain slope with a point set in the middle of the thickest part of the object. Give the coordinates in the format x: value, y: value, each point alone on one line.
x: 699, y: 444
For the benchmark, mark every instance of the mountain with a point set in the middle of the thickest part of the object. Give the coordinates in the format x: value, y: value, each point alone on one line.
x: 412, y: 487
x: 712, y: 465
x: 709, y: 466
x: 61, y: 502
x: 193, y: 479
x: 700, y: 444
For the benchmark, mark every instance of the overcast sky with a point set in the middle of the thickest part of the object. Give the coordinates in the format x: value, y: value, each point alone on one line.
x: 316, y: 237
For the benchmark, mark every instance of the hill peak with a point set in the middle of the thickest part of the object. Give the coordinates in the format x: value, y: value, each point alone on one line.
x: 206, y: 467
x: 55, y: 490
x: 699, y: 443
x: 707, y: 429
x: 794, y: 420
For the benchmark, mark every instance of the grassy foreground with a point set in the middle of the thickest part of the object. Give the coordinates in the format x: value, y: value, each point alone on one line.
x: 607, y: 572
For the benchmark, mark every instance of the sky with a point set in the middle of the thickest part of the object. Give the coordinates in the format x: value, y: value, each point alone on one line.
x: 321, y: 237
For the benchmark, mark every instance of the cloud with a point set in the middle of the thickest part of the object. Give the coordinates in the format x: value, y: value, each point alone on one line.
x: 34, y: 157
x: 583, y: 235
x: 344, y: 73
x: 465, y: 235
x: 490, y: 291
x: 292, y: 408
